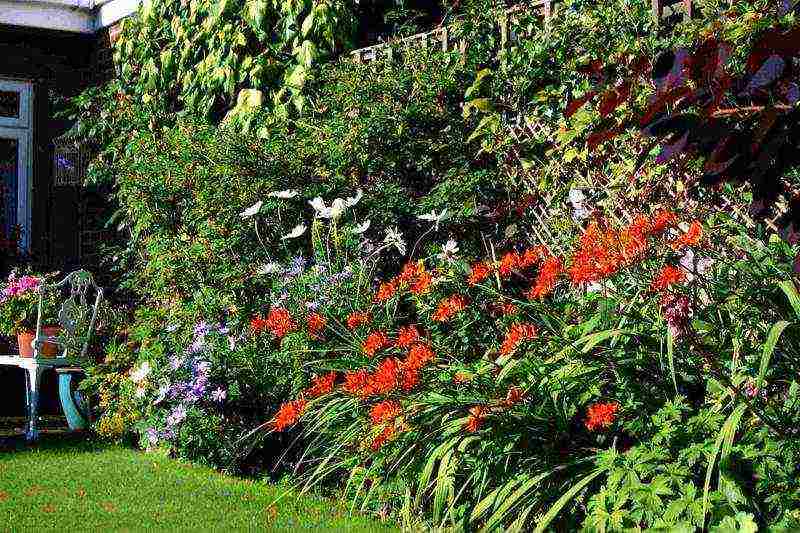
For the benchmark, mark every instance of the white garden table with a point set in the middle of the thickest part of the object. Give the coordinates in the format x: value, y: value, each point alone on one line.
x: 34, y: 367
x: 77, y: 318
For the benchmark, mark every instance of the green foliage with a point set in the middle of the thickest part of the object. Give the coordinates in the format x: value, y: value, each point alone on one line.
x: 638, y: 404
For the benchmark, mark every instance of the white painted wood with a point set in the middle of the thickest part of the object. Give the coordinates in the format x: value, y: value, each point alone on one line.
x: 76, y: 16
x: 24, y: 89
x: 20, y: 129
x: 23, y: 138
x: 111, y: 11
x: 47, y: 15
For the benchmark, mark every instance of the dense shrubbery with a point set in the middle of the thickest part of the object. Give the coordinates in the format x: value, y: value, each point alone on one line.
x: 371, y: 281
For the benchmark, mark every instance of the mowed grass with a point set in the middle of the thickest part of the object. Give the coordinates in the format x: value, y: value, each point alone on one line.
x: 66, y: 484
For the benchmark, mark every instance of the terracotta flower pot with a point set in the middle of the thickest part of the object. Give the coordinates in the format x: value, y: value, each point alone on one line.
x: 24, y: 339
x: 49, y: 349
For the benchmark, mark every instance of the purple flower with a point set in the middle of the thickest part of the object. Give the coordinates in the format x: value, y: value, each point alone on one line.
x: 202, y: 368
x: 152, y: 436
x: 197, y: 345
x: 177, y: 416
x: 677, y: 311
x: 202, y: 328
x: 175, y: 362
x: 219, y: 395
x: 297, y: 266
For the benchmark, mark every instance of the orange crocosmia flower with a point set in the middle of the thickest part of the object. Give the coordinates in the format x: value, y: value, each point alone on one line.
x: 422, y: 284
x: 288, y: 414
x: 514, y: 396
x: 603, y: 250
x: 383, y: 437
x: 280, y: 322
x: 641, y: 226
x: 449, y: 307
x: 386, y: 291
x: 316, y: 324
x: 601, y: 415
x: 668, y: 277
x: 548, y: 276
x: 480, y: 271
x: 662, y: 221
x: 258, y: 324
x: 357, y: 383
x: 384, y: 411
x: 419, y: 356
x: 690, y: 238
x: 386, y: 377
x: 409, y: 378
x: 410, y: 272
x: 517, y: 334
x: 357, y: 319
x: 509, y: 263
x: 477, y: 415
x: 532, y: 256
x: 376, y: 341
x: 321, y: 385
x: 406, y: 336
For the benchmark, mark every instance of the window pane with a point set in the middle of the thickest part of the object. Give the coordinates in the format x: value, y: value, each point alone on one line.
x: 9, y: 165
x: 9, y: 104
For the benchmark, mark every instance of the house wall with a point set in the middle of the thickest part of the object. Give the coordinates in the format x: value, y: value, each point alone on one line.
x: 58, y: 65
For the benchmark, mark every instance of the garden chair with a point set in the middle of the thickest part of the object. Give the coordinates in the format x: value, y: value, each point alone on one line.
x: 77, y: 316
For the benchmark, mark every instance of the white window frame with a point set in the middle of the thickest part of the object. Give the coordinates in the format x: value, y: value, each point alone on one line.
x: 22, y: 88
x: 21, y: 130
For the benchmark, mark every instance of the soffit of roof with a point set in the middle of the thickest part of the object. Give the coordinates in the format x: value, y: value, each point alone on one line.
x: 79, y: 16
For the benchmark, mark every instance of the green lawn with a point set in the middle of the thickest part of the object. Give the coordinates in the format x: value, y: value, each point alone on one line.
x: 67, y: 484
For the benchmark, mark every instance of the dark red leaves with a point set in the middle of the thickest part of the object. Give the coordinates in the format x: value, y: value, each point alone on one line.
x: 613, y: 98
x: 578, y: 103
x: 596, y: 139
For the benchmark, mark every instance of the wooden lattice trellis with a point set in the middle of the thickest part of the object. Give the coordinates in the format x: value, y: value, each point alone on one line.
x: 508, y: 26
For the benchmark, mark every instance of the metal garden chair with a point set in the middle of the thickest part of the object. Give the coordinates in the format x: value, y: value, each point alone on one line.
x: 77, y: 317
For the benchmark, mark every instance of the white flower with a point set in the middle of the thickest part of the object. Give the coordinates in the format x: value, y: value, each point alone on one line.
x: 449, y: 251
x: 269, y: 268
x: 361, y: 228
x: 285, y: 195
x: 323, y: 211
x: 252, y: 210
x: 350, y: 202
x: 434, y: 217
x: 579, y: 210
x: 576, y: 196
x: 139, y: 393
x: 140, y: 373
x: 318, y: 204
x: 337, y: 208
x: 395, y: 238
x: 296, y: 232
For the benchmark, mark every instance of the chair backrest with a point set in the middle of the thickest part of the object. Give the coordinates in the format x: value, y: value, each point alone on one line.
x: 76, y: 316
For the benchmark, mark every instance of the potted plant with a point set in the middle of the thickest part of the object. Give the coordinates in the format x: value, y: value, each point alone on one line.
x: 19, y: 307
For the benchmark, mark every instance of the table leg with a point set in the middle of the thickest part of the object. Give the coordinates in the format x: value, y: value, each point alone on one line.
x: 34, y: 375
